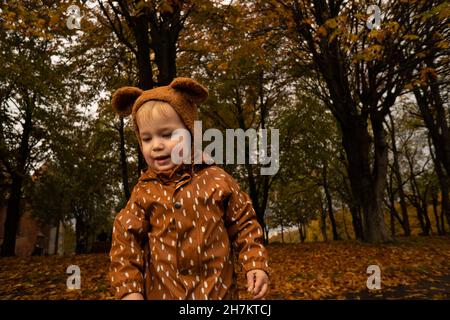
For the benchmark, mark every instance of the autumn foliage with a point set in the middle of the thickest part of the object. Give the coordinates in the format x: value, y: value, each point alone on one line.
x: 413, y: 268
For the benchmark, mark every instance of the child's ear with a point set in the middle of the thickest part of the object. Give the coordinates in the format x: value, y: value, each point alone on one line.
x: 124, y: 98
x: 194, y: 90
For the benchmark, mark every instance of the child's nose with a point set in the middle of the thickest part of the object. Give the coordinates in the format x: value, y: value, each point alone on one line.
x: 158, y: 144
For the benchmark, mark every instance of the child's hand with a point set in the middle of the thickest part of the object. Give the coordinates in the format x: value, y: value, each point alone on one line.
x: 257, y: 283
x: 133, y: 296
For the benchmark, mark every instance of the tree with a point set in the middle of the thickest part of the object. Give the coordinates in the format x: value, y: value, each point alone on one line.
x: 307, y: 181
x: 32, y: 88
x: 363, y: 72
x: 419, y: 188
x: 247, y: 84
x: 80, y: 180
x: 436, y: 118
x: 395, y: 170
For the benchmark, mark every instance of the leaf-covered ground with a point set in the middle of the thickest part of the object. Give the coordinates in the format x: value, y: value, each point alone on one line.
x: 413, y: 268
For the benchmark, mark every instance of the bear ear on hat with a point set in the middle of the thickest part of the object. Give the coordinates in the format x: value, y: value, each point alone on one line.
x: 124, y: 98
x: 194, y: 90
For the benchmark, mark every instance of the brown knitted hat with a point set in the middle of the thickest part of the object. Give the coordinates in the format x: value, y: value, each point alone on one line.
x: 183, y: 94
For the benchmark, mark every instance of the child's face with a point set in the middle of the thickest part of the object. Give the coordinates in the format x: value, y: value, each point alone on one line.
x: 155, y: 132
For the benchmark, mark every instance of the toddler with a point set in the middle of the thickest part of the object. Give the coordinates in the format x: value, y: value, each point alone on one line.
x: 177, y: 235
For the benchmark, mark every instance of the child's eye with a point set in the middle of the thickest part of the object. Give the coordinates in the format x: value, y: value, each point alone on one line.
x: 167, y: 135
x: 147, y: 139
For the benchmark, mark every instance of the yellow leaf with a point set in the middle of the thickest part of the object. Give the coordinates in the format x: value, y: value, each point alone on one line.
x: 411, y: 37
x: 331, y: 23
x: 443, y: 44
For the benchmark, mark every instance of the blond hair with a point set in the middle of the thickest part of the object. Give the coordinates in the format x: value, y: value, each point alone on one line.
x: 145, y: 113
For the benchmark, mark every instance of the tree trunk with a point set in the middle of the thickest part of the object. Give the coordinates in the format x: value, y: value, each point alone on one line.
x: 416, y: 200
x: 80, y: 236
x: 420, y: 203
x: 435, y: 212
x: 259, y: 198
x: 443, y: 184
x: 302, y: 231
x: 435, y: 118
x: 354, y: 210
x: 323, y: 224
x: 393, y: 210
x: 256, y: 200
x: 141, y: 34
x: 56, y: 238
x: 356, y: 222
x: 165, y: 52
x: 367, y: 189
x: 445, y: 195
x: 12, y: 217
x: 421, y: 221
x: 391, y: 204
x: 329, y: 203
x: 392, y: 217
x: 443, y: 222
x: 428, y: 226
x: 401, y: 193
x: 145, y: 70
x: 264, y: 200
x: 123, y: 161
x: 13, y: 211
x: 345, y: 223
x: 445, y: 200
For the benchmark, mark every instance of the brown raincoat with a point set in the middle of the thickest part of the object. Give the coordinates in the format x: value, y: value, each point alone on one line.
x: 176, y: 236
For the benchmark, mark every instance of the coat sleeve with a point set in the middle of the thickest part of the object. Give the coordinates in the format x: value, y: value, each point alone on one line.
x: 127, y: 253
x: 244, y: 230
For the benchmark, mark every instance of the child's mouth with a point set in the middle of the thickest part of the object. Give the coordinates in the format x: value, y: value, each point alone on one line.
x: 162, y: 160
